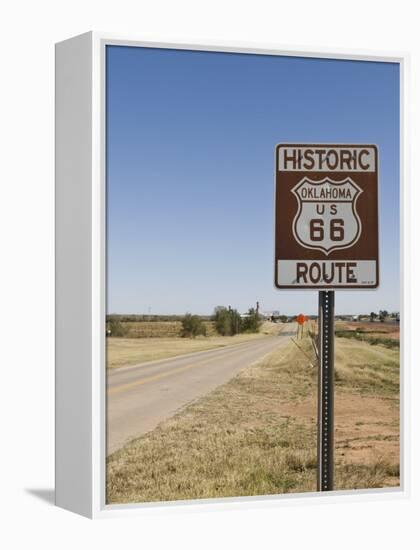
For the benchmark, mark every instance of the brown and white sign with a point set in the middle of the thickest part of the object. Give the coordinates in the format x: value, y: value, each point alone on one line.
x: 326, y: 228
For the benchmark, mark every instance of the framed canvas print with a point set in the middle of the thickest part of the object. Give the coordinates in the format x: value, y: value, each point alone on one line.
x: 230, y: 286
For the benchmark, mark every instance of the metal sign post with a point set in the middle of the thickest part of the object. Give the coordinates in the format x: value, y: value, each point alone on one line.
x: 325, y: 478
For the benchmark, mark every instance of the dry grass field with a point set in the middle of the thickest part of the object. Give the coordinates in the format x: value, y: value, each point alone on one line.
x: 131, y: 351
x: 256, y: 435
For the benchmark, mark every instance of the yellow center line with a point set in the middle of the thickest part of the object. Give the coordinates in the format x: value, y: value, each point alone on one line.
x: 123, y: 387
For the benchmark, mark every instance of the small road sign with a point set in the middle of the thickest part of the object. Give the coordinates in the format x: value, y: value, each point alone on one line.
x: 301, y: 319
x: 326, y: 232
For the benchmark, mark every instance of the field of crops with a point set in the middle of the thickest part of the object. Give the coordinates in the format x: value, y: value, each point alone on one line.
x: 158, y: 329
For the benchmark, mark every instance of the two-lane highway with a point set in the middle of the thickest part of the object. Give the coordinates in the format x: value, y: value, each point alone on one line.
x: 139, y: 397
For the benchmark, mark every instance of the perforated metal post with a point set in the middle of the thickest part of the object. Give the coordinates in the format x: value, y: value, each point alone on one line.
x: 326, y: 391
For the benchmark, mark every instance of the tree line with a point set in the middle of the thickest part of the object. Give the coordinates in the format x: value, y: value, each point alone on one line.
x: 141, y: 318
x: 227, y: 322
x: 382, y: 315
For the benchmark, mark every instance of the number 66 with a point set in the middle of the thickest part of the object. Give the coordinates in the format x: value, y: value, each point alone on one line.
x: 316, y: 229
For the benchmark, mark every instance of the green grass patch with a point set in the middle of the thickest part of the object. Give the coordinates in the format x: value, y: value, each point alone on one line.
x: 364, y: 336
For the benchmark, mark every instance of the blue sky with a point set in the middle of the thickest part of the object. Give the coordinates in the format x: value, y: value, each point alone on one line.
x: 190, y: 171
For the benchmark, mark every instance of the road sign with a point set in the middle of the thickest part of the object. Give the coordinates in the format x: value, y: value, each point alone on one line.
x: 300, y: 319
x: 326, y: 233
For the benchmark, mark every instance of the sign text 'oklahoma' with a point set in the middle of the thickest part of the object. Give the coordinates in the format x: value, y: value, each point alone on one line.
x: 326, y: 216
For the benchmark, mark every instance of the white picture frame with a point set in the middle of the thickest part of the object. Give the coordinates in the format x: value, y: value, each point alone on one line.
x: 81, y: 284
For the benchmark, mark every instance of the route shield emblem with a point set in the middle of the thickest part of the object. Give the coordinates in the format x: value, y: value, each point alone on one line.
x: 327, y: 218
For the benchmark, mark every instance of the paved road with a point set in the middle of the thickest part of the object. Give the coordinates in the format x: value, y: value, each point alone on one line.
x: 140, y: 397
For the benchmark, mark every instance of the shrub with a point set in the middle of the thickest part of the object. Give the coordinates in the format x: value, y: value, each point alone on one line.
x: 192, y: 326
x: 227, y: 321
x: 116, y: 328
x: 252, y: 322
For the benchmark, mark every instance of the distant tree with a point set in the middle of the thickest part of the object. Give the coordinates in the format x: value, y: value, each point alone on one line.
x: 252, y: 322
x: 383, y: 314
x: 283, y: 318
x: 227, y: 321
x: 373, y: 316
x: 221, y: 320
x: 192, y: 326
